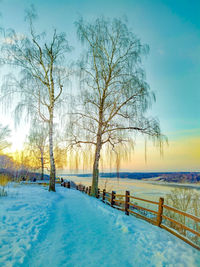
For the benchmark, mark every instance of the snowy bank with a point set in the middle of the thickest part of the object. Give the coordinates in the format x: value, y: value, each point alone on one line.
x: 68, y: 228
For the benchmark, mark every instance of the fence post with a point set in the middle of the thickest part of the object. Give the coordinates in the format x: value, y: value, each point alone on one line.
x: 83, y: 189
x: 86, y: 190
x: 89, y: 191
x: 112, y: 202
x: 127, y: 200
x: 103, y: 196
x: 160, y: 211
x: 68, y: 184
x: 98, y: 194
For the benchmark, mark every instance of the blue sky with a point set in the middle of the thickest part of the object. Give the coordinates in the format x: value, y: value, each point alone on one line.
x: 172, y: 30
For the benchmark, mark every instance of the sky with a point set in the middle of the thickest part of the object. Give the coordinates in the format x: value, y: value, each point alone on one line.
x: 172, y: 30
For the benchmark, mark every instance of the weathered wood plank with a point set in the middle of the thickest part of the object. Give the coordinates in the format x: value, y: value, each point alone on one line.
x: 181, y: 225
x: 146, y: 200
x: 179, y: 236
x: 142, y: 208
x: 182, y: 213
x: 142, y: 217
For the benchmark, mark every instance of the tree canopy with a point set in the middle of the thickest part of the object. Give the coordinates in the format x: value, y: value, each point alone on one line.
x: 114, y: 94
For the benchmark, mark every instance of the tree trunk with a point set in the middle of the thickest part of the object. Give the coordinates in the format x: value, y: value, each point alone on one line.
x: 95, y: 178
x: 42, y: 166
x: 52, y: 163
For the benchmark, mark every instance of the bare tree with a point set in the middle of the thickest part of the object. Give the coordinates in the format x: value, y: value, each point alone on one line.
x: 187, y: 200
x: 6, y: 162
x: 114, y: 94
x: 60, y: 157
x: 4, y: 134
x: 42, y: 77
x: 37, y: 145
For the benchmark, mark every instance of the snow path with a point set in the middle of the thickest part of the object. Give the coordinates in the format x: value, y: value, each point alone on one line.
x: 81, y: 233
x: 69, y: 228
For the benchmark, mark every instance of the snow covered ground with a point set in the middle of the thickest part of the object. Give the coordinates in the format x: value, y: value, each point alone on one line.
x: 69, y: 228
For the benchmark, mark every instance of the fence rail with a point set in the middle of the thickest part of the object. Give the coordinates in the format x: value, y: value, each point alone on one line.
x: 182, y: 213
x: 156, y: 217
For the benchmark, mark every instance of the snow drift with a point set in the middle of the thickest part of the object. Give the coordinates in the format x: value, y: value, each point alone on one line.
x: 68, y: 228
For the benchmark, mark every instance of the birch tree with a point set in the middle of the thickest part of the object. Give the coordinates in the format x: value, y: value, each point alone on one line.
x: 37, y: 145
x: 114, y: 95
x: 42, y: 77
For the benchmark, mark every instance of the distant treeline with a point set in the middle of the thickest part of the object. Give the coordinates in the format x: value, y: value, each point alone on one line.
x: 22, y: 174
x: 18, y: 170
x: 177, y: 177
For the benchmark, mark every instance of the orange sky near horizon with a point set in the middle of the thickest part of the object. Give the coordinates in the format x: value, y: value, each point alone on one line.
x: 181, y: 154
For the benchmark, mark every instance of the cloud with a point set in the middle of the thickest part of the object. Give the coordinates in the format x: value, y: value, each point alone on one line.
x: 14, y: 38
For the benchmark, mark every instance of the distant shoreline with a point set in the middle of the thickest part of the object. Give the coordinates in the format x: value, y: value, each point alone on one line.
x: 170, y: 184
x: 181, y: 178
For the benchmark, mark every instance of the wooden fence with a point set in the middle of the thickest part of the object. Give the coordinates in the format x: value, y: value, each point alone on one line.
x: 159, y: 214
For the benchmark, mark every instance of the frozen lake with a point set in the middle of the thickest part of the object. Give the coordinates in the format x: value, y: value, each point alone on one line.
x: 146, y: 189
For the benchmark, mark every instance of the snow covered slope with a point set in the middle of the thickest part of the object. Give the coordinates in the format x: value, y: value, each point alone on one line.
x: 68, y: 228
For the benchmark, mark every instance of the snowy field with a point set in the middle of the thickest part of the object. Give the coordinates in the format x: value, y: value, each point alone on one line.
x: 69, y: 228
